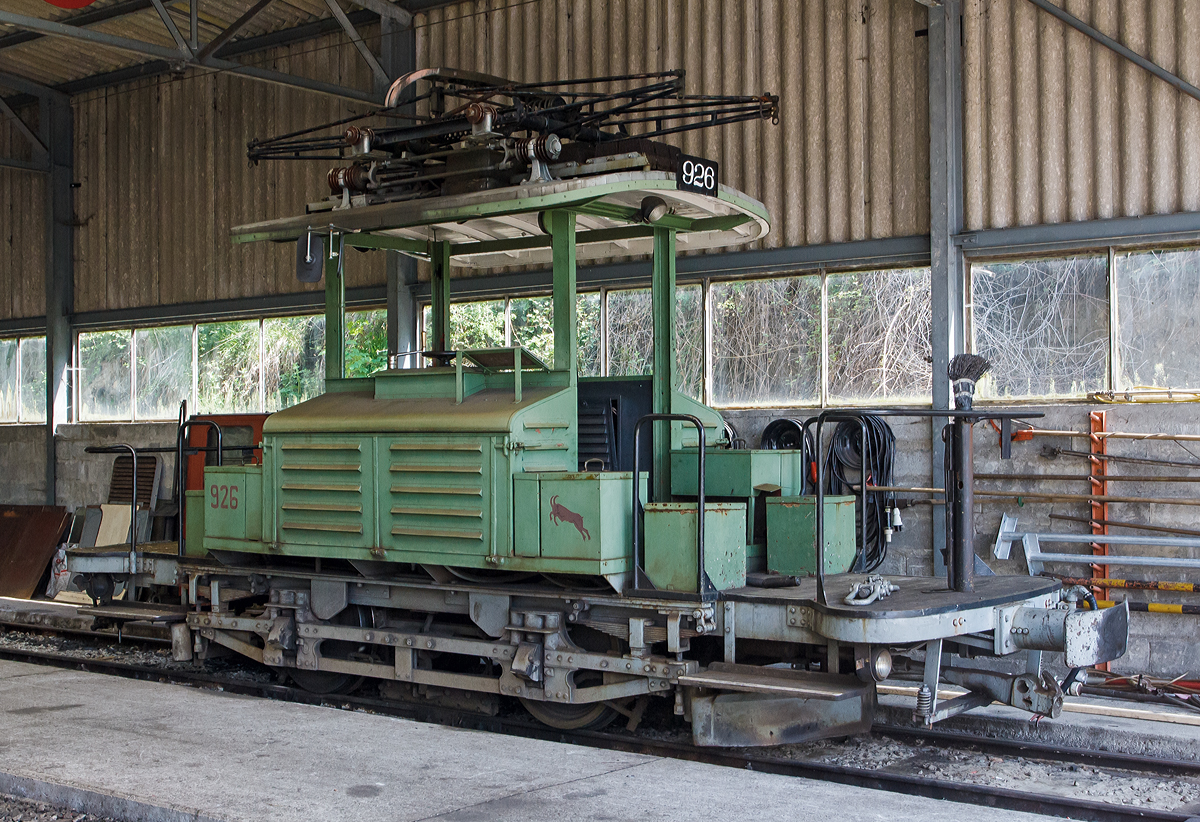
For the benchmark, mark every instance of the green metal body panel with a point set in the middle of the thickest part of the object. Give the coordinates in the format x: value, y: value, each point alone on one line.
x: 193, y: 544
x: 575, y: 516
x: 736, y: 473
x: 232, y: 502
x: 403, y: 470
x: 670, y: 540
x: 792, y: 535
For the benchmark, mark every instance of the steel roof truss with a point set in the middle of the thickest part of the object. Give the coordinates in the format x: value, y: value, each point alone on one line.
x: 359, y: 43
x: 51, y: 27
x: 39, y: 148
x: 173, y: 29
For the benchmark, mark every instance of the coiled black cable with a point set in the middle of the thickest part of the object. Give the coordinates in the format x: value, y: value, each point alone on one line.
x: 845, y: 460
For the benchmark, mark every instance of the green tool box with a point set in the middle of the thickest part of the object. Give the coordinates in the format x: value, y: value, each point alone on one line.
x: 578, y: 522
x: 735, y: 473
x: 670, y: 544
x: 792, y: 534
x: 741, y: 475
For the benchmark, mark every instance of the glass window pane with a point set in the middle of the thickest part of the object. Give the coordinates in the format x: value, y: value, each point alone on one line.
x: 293, y: 360
x: 1043, y: 325
x: 689, y: 340
x: 1158, y: 301
x: 587, y: 314
x: 366, y: 342
x: 229, y: 367
x: 477, y: 325
x: 33, y: 379
x: 630, y: 333
x: 164, y: 371
x: 631, y: 336
x: 533, y: 326
x: 766, y: 343
x: 104, y: 376
x: 8, y: 380
x: 879, y: 336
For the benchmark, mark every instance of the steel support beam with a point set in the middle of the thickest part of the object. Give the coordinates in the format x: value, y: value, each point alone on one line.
x: 87, y: 18
x: 398, y: 53
x: 887, y: 253
x: 1109, y: 43
x: 1119, y: 231
x: 39, y: 148
x: 214, y: 45
x: 387, y: 11
x: 24, y: 85
x: 381, y: 76
x: 335, y: 310
x: 57, y: 120
x: 23, y: 165
x: 184, y: 50
x: 947, y: 268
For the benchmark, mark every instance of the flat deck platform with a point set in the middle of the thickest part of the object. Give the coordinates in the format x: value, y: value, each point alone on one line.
x: 918, y: 596
x: 169, y: 752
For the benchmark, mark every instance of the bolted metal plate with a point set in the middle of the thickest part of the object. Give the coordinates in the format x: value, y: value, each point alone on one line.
x: 1097, y: 636
x: 755, y: 719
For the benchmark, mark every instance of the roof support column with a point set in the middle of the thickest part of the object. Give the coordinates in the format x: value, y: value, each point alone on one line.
x: 438, y: 336
x: 335, y: 310
x: 947, y: 266
x: 398, y: 53
x: 57, y: 134
x: 562, y: 237
x: 662, y: 307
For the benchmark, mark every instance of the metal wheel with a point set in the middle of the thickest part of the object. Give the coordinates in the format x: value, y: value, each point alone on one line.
x: 562, y: 717
x: 590, y: 716
x: 328, y: 682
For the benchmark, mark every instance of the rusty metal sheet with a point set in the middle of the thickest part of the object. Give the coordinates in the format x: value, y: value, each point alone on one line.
x: 28, y: 539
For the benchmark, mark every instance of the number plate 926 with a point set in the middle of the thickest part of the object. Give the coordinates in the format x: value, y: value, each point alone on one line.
x: 696, y: 174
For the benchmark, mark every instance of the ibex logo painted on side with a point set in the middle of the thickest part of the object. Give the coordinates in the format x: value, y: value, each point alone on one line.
x: 560, y: 514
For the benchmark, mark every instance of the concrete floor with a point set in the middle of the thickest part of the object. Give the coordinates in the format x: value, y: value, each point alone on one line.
x: 166, y: 752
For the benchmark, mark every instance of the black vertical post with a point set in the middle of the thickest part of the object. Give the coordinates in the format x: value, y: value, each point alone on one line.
x: 58, y: 134
x: 961, y: 569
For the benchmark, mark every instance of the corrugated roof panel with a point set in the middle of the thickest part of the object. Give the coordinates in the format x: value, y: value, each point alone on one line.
x: 1059, y: 128
x: 53, y: 60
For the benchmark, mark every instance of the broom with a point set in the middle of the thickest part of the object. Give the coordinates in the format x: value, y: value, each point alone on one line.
x: 965, y: 370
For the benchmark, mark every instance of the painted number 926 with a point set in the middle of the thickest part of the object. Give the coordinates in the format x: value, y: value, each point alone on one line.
x: 696, y: 174
x: 223, y: 496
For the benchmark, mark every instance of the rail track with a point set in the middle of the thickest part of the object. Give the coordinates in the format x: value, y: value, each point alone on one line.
x: 633, y: 742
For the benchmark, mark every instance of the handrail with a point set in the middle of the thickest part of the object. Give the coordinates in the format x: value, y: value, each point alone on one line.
x: 704, y: 586
x: 181, y: 472
x: 960, y: 556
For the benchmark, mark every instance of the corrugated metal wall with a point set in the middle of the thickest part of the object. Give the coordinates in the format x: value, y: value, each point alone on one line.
x: 1059, y: 128
x: 163, y: 176
x: 850, y: 157
x: 22, y: 227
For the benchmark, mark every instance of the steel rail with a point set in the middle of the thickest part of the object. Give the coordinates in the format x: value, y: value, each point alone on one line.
x: 1042, y: 750
x: 966, y: 793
